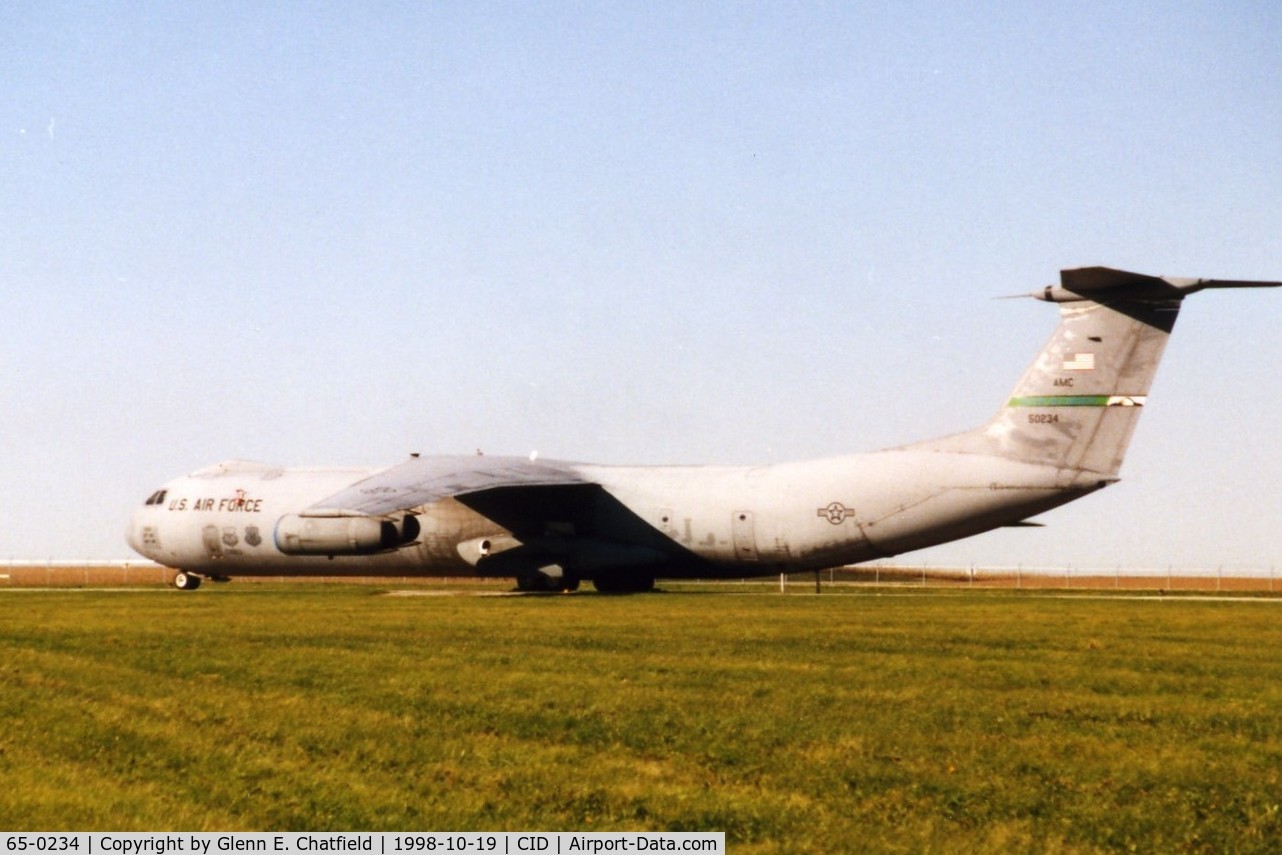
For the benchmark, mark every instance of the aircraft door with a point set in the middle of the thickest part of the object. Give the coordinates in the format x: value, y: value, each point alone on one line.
x: 213, y: 541
x: 744, y: 534
x: 667, y: 523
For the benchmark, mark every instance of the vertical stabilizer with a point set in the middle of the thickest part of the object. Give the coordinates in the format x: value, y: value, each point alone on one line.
x: 1077, y: 405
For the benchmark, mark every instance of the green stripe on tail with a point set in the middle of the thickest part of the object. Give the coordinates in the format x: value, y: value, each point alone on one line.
x: 1077, y: 401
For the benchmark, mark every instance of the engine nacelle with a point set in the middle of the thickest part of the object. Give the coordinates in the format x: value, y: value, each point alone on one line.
x: 298, y: 535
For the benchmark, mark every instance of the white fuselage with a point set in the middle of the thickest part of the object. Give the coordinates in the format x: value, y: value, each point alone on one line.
x: 718, y: 521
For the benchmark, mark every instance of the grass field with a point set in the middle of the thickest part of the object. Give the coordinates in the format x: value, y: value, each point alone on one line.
x: 932, y: 721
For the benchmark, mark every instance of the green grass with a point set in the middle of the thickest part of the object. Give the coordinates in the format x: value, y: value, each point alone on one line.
x: 939, y: 722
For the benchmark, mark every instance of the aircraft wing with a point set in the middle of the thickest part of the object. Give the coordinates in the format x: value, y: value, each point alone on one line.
x: 422, y: 480
x: 558, y: 513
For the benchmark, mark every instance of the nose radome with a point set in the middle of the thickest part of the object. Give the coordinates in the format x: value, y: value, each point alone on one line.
x: 133, y: 534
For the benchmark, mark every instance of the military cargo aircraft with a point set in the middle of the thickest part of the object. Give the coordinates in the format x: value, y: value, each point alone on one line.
x: 549, y: 525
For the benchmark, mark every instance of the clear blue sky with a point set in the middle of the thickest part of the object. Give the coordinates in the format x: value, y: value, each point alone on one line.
x: 633, y: 233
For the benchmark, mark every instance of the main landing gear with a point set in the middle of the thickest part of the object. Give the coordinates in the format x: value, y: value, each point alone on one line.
x: 538, y: 583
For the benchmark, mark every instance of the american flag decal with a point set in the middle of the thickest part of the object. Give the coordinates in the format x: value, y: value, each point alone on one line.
x: 1080, y: 362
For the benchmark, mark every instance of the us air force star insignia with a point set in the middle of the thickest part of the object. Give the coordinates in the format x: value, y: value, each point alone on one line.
x: 835, y: 513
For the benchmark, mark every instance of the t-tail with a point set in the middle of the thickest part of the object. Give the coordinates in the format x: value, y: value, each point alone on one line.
x: 1078, y: 403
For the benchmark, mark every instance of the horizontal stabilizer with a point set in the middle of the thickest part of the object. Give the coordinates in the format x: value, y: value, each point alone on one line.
x: 1102, y: 284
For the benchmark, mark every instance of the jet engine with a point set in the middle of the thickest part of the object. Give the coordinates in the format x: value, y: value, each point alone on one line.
x: 299, y: 535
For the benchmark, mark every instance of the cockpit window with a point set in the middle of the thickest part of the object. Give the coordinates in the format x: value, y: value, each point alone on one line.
x: 157, y: 498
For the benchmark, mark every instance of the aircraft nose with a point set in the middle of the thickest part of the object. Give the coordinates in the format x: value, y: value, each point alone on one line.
x: 133, y: 533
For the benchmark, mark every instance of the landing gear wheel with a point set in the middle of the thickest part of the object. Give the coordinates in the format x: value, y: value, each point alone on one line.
x: 624, y: 584
x: 541, y: 584
x: 537, y: 584
x: 186, y: 581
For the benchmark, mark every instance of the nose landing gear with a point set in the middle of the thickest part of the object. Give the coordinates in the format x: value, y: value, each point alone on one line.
x: 186, y: 581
